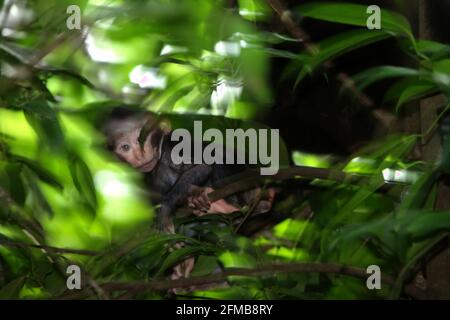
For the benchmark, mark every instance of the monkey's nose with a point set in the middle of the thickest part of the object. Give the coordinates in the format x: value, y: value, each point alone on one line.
x: 138, y: 155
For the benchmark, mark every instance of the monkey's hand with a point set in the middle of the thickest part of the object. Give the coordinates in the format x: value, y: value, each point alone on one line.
x: 180, y: 271
x: 199, y: 201
x: 183, y: 269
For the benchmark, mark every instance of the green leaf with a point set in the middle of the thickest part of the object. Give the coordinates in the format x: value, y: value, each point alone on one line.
x: 16, y: 188
x: 39, y: 108
x: 414, y: 92
x: 177, y: 256
x: 356, y: 15
x: 83, y: 181
x: 45, y: 123
x: 42, y: 173
x: 383, y: 147
x: 442, y: 66
x: 409, y: 89
x: 254, y: 10
x: 68, y: 73
x: 337, y: 45
x: 440, y: 75
x: 432, y: 50
x: 370, y: 76
x: 418, y: 192
x: 425, y: 224
x: 11, y: 291
x: 204, y: 265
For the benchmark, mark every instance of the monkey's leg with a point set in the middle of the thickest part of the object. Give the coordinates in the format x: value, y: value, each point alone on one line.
x: 184, y: 268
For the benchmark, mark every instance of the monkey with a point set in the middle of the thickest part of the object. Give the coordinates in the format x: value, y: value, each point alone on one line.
x: 143, y: 140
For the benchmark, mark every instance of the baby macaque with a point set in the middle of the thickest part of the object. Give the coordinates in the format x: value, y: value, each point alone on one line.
x: 143, y: 140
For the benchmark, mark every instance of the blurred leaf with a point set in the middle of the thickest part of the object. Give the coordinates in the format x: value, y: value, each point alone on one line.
x: 237, y: 260
x: 67, y: 73
x: 370, y: 76
x: 38, y: 200
x: 356, y: 15
x: 282, y: 53
x: 382, y: 147
x: 83, y: 181
x: 44, y: 121
x: 177, y: 256
x: 414, y: 92
x: 425, y: 224
x: 409, y: 89
x: 432, y: 49
x: 419, y: 191
x: 442, y: 66
x: 16, y: 188
x: 42, y: 173
x: 12, y: 290
x: 254, y: 10
x: 40, y: 108
x: 204, y: 265
x: 337, y: 45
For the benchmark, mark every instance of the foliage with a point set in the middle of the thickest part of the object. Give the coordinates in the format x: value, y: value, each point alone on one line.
x: 60, y: 190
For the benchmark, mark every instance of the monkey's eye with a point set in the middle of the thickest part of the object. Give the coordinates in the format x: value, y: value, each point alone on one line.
x: 125, y: 147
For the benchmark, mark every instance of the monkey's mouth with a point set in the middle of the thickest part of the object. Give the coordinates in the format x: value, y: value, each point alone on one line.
x: 146, y: 166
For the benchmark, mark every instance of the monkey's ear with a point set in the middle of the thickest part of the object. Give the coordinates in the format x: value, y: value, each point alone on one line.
x: 165, y: 125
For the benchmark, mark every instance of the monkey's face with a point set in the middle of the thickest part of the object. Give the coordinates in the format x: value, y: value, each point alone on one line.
x: 127, y: 148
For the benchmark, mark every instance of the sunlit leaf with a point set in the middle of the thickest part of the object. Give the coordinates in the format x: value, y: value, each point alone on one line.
x: 83, y: 181
x: 44, y: 121
x: 41, y: 172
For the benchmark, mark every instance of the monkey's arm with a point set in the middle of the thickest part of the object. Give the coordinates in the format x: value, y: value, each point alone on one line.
x: 195, y: 176
x: 200, y: 203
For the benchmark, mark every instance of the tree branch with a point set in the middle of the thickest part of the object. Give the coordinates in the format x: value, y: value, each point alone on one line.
x: 16, y: 244
x: 269, y: 270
